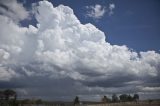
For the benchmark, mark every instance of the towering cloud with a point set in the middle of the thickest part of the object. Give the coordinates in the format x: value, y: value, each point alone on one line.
x: 61, y: 52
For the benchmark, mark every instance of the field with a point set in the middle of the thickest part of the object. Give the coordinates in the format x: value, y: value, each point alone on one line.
x: 111, y: 104
x: 127, y: 104
x: 141, y: 103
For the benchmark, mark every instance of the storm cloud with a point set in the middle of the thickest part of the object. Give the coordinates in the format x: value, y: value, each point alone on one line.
x: 60, y: 58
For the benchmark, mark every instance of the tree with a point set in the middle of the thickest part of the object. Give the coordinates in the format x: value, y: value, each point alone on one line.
x: 105, y: 99
x: 10, y: 93
x: 123, y: 97
x: 76, y: 100
x: 114, y: 98
x: 136, y: 97
x: 39, y: 101
x: 129, y: 98
x: 1, y: 95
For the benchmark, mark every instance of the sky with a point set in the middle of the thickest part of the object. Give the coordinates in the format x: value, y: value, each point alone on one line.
x: 58, y: 49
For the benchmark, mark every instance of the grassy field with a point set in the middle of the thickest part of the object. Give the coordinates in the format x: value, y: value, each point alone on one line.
x: 141, y: 103
x: 144, y: 103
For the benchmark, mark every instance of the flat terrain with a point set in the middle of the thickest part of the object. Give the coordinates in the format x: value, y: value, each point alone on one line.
x: 124, y: 105
x: 142, y: 103
x: 128, y: 104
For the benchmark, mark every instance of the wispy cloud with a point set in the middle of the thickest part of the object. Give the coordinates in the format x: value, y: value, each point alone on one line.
x: 111, y: 8
x: 98, y: 11
x: 13, y: 9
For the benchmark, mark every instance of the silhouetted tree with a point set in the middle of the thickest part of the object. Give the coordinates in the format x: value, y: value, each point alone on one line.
x: 129, y: 98
x: 76, y: 100
x: 123, y: 98
x: 136, y: 97
x: 10, y: 93
x: 114, y: 98
x: 38, y: 101
x: 10, y: 96
x: 105, y: 99
x: 1, y: 95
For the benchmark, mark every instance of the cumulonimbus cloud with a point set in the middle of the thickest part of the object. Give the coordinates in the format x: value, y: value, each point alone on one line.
x: 60, y: 48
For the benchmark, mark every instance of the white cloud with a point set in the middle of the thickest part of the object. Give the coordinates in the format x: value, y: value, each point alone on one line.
x: 3, y: 54
x: 62, y: 48
x: 151, y: 89
x: 111, y: 8
x: 13, y: 9
x: 96, y: 11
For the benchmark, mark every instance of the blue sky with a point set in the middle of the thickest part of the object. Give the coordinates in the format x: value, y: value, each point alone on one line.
x: 91, y: 48
x: 134, y: 23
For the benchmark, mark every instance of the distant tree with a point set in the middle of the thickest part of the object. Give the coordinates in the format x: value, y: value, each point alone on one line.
x: 123, y: 97
x: 1, y: 95
x: 38, y: 101
x: 135, y: 97
x: 105, y: 99
x: 76, y: 100
x: 114, y: 98
x: 10, y: 93
x: 129, y: 98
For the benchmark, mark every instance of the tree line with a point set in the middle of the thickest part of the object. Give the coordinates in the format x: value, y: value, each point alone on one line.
x: 10, y: 96
x: 121, y: 98
x: 114, y: 99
